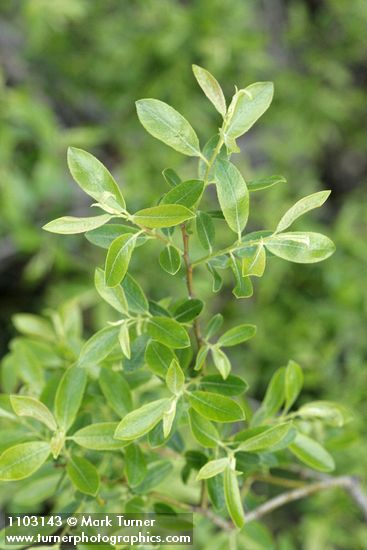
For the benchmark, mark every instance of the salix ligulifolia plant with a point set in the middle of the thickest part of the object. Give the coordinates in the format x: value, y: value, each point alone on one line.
x: 154, y: 388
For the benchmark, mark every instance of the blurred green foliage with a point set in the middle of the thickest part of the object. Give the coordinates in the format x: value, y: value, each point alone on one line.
x: 72, y: 70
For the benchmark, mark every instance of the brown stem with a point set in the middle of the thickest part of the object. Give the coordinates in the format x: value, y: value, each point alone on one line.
x: 348, y: 483
x: 189, y: 281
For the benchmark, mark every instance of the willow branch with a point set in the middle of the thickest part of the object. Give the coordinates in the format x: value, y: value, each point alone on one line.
x: 350, y: 484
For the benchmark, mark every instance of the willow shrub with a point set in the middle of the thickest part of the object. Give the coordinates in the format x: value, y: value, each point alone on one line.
x: 155, y: 381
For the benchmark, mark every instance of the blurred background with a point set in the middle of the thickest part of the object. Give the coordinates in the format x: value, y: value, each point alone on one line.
x: 71, y: 71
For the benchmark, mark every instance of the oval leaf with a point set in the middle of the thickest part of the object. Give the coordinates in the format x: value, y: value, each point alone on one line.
x: 300, y: 247
x: 98, y: 437
x: 136, y: 299
x: 164, y: 215
x: 175, y: 378
x: 312, y: 453
x: 69, y: 396
x: 266, y: 439
x: 237, y: 335
x: 205, y: 230
x: 247, y: 106
x: 98, y: 346
x: 94, y: 178
x: 142, y: 420
x: 168, y: 125
x: 211, y: 88
x: 83, y: 475
x: 23, y: 460
x: 293, y: 383
x: 233, y: 385
x: 212, y: 468
x: 168, y: 331
x: 31, y: 407
x: 116, y: 391
x: 158, y: 358
x: 221, y: 362
x: 170, y: 260
x: 233, y: 195
x: 301, y: 207
x: 203, y: 430
x: 115, y: 296
x: 233, y: 498
x: 216, y: 407
x: 118, y: 259
x: 186, y: 193
x: 69, y: 225
x: 188, y: 310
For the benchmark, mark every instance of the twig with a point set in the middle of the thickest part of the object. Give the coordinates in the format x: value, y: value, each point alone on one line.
x: 348, y: 483
x: 189, y: 282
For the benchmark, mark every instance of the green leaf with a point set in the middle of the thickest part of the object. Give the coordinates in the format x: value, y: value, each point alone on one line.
x: 94, y: 178
x: 23, y: 460
x: 208, y: 153
x: 139, y: 422
x: 105, y: 235
x: 188, y: 310
x: 166, y: 124
x: 83, y: 475
x: 118, y: 259
x: 266, y: 439
x: 135, y: 465
x: 212, y: 468
x: 211, y: 88
x: 254, y: 261
x: 213, y: 326
x: 69, y: 225
x: 115, y: 296
x: 168, y: 331
x: 31, y: 407
x: 69, y: 396
x: 175, y: 378
x: 29, y: 366
x: 274, y: 397
x: 217, y: 279
x: 136, y: 361
x: 168, y: 419
x: 98, y: 437
x: 158, y: 358
x: 216, y: 407
x: 233, y: 385
x: 293, y: 383
x: 203, y: 430
x: 136, y: 299
x: 312, y: 453
x: 187, y: 193
x: 170, y: 260
x: 221, y: 362
x: 163, y: 215
x: 124, y: 339
x: 116, y: 391
x: 300, y: 247
x: 205, y: 230
x: 264, y: 183
x: 237, y: 335
x: 201, y: 357
x: 301, y: 207
x: 171, y: 177
x: 156, y: 472
x: 243, y: 288
x: 33, y: 325
x: 233, y: 498
x: 247, y: 106
x: 99, y: 346
x: 233, y: 195
x: 329, y: 412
